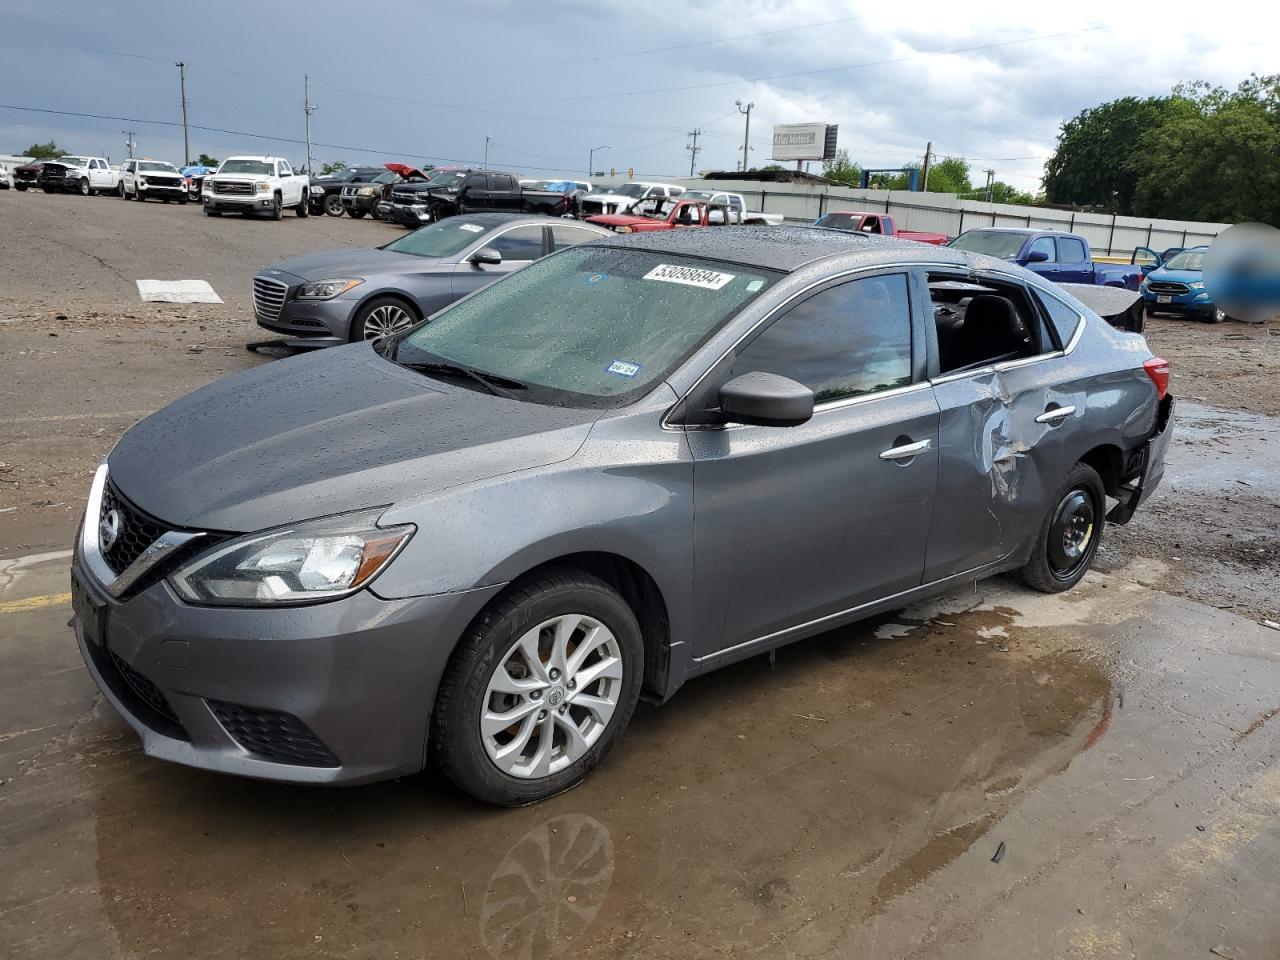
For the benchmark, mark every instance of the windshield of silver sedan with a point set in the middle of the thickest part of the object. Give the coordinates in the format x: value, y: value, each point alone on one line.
x: 441, y: 239
x: 588, y: 327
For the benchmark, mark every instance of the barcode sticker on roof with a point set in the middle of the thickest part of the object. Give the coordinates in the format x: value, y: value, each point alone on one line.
x: 471, y: 227
x: 689, y: 276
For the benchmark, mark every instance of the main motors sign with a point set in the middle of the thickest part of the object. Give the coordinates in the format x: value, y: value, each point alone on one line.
x: 804, y: 141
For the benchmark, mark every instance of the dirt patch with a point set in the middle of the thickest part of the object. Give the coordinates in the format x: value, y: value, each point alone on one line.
x: 1226, y: 364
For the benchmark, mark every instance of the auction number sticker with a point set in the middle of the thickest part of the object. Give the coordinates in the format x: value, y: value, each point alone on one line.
x: 623, y: 368
x: 471, y: 227
x: 689, y: 276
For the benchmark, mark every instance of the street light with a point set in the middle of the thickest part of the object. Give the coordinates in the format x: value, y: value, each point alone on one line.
x: 591, y: 156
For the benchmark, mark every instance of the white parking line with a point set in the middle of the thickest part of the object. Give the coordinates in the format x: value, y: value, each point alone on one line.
x: 177, y: 291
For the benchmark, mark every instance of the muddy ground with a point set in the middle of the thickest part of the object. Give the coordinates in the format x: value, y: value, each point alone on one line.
x: 994, y: 774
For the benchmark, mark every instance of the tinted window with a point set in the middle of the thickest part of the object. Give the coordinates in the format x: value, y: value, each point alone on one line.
x: 1044, y: 245
x: 1187, y: 260
x: 1063, y: 317
x: 1071, y: 250
x: 522, y: 243
x: 842, y: 342
x: 498, y: 181
x: 567, y: 236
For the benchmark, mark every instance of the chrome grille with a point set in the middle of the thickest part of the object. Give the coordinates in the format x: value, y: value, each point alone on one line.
x: 166, y: 182
x: 233, y: 187
x: 1167, y: 287
x: 268, y: 298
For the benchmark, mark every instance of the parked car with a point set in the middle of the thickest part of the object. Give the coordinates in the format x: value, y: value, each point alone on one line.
x: 152, y: 180
x: 326, y: 190
x: 635, y: 461
x: 331, y: 298
x: 477, y: 191
x: 359, y: 199
x: 255, y: 185
x: 619, y: 199
x: 27, y: 175
x: 6, y: 178
x: 736, y: 204
x: 83, y: 175
x: 407, y: 204
x: 1061, y: 257
x: 876, y: 224
x: 563, y: 186
x: 659, y: 213
x: 194, y: 176
x: 1147, y: 259
x: 1178, y: 288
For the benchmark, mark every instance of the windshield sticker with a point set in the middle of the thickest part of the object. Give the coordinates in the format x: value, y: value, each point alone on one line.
x: 597, y: 277
x: 623, y: 368
x: 471, y: 227
x: 754, y: 285
x: 689, y: 276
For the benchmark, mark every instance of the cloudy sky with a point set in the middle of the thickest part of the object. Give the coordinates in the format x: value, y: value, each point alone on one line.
x: 990, y: 82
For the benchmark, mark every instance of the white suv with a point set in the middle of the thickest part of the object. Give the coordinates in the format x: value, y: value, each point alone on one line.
x: 252, y: 184
x: 151, y: 179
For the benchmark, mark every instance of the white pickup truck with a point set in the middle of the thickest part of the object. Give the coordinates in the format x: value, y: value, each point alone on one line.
x: 256, y: 185
x: 736, y: 204
x: 606, y: 200
x: 84, y: 175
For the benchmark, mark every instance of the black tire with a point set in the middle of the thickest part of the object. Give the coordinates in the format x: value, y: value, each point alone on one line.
x: 182, y: 199
x: 358, y: 321
x: 303, y: 209
x: 456, y: 744
x: 139, y: 195
x: 333, y: 205
x: 1217, y: 316
x: 84, y: 188
x: 120, y: 191
x: 355, y: 214
x: 1059, y: 557
x: 277, y: 207
x: 212, y: 213
x: 47, y: 189
x: 20, y: 187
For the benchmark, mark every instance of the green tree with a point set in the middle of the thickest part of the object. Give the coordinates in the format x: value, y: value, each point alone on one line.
x: 949, y: 175
x: 205, y: 160
x: 1099, y: 158
x: 333, y: 167
x: 43, y: 151
x: 1217, y: 159
x: 842, y: 169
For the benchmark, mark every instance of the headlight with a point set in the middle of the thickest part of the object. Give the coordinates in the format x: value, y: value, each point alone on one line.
x: 626, y: 229
x: 263, y: 187
x: 301, y: 563
x: 326, y: 289
x: 367, y: 191
x: 142, y: 181
x: 1198, y: 285
x: 316, y: 189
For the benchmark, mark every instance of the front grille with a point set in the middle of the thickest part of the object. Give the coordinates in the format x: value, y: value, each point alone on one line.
x: 405, y: 199
x: 168, y: 183
x: 1167, y: 287
x: 268, y: 298
x: 138, y: 530
x: 233, y: 187
x: 53, y: 173
x: 348, y: 191
x: 272, y: 735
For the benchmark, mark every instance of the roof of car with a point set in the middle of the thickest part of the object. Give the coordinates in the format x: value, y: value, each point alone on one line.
x: 785, y: 248
x: 497, y: 219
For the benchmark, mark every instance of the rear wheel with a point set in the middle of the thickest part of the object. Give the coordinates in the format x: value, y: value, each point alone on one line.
x: 539, y: 689
x: 333, y: 205
x: 303, y: 209
x: 1070, y: 535
x: 382, y: 316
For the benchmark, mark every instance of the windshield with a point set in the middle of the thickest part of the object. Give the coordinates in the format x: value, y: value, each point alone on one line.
x: 1187, y: 260
x: 442, y: 239
x: 991, y: 242
x: 588, y: 327
x: 386, y: 177
x: 257, y: 167
x: 447, y: 179
x: 74, y: 161
x: 631, y: 190
x: 154, y: 166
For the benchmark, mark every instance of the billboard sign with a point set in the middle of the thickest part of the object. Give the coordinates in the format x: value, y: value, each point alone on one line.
x: 804, y: 141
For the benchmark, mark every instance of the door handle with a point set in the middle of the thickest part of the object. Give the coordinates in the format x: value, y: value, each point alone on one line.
x: 1056, y: 414
x: 906, y: 451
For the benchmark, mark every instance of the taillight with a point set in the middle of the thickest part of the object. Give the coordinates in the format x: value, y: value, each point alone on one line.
x: 1158, y: 370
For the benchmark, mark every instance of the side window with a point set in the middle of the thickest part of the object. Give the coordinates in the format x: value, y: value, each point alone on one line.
x: 1064, y: 318
x: 1071, y: 250
x: 848, y: 340
x: 285, y: 170
x: 522, y: 243
x: 567, y: 236
x: 871, y: 225
x: 1045, y: 245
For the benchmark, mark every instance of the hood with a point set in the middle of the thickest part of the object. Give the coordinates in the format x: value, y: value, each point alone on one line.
x: 1176, y: 276
x: 349, y: 263
x: 622, y: 220
x: 406, y: 171
x: 338, y: 430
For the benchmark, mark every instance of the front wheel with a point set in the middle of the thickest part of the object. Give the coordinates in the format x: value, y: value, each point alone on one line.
x: 20, y: 187
x: 382, y: 316
x: 1070, y: 534
x: 333, y: 205
x: 539, y: 689
x: 84, y: 188
x: 182, y: 199
x: 277, y: 208
x: 1217, y: 316
x: 212, y: 213
x: 355, y: 214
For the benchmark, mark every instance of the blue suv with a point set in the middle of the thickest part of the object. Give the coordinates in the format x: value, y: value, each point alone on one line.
x: 1177, y: 286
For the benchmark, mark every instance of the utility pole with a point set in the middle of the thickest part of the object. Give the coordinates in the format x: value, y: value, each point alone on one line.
x: 746, y: 137
x: 128, y: 141
x: 487, y: 140
x: 991, y: 175
x: 924, y: 174
x: 694, y: 150
x: 186, y: 137
x: 308, y: 108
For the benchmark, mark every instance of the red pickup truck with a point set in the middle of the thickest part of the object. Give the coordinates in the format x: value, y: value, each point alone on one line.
x: 880, y: 224
x: 661, y: 213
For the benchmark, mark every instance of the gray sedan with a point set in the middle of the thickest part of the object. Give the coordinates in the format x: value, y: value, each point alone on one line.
x: 633, y: 462
x: 330, y: 298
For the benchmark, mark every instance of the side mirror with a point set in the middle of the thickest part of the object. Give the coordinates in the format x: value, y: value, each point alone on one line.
x: 767, y: 400
x: 486, y: 257
x: 1037, y: 256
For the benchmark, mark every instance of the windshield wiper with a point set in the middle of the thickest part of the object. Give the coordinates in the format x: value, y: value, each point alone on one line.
x: 489, y: 381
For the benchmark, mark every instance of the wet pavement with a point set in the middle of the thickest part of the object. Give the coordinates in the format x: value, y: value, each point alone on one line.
x: 1122, y: 744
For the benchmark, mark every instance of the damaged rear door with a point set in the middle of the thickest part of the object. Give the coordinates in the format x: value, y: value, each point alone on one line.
x: 1008, y: 434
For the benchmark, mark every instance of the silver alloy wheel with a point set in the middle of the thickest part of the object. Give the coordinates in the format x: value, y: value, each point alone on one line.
x: 551, y: 696
x: 386, y: 319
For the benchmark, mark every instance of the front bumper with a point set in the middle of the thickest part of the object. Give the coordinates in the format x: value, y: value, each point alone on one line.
x: 1182, y: 304
x: 239, y: 204
x: 331, y: 693
x: 364, y: 204
x: 312, y: 323
x: 178, y: 191
x: 416, y: 215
